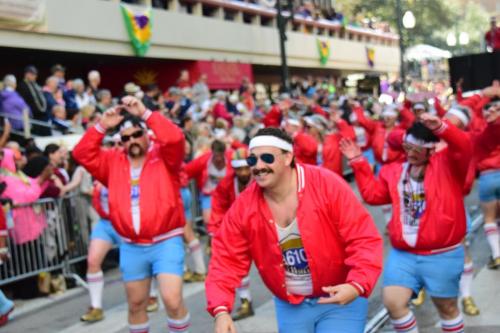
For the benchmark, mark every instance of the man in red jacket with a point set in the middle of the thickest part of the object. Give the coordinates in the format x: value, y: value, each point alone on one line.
x: 314, y: 244
x: 428, y: 223
x: 223, y: 197
x: 143, y: 198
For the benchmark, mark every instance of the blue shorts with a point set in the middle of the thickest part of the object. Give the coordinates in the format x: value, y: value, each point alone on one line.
x: 205, y: 201
x: 368, y: 154
x: 489, y: 186
x: 438, y: 273
x: 187, y: 202
x: 104, y: 230
x: 138, y: 262
x: 310, y: 317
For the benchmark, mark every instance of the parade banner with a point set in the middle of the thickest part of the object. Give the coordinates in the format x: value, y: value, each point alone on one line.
x: 24, y: 15
x: 370, y: 56
x: 324, y: 51
x: 139, y: 28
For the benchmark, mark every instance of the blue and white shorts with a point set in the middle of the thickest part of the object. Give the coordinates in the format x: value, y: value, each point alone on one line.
x: 439, y: 273
x: 104, y: 230
x: 138, y: 262
x: 311, y: 317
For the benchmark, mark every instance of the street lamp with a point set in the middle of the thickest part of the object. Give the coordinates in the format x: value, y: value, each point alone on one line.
x: 408, y: 22
x: 282, y: 22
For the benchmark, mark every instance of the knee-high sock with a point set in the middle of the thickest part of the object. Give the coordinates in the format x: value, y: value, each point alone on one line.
x: 406, y: 324
x: 244, y: 289
x: 179, y: 325
x: 466, y: 279
x: 197, y: 255
x: 95, y: 282
x: 139, y: 328
x: 491, y: 231
x: 453, y: 325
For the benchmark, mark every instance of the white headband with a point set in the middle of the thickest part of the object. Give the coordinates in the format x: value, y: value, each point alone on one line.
x: 389, y: 113
x: 293, y: 122
x: 418, y: 142
x: 239, y: 163
x: 270, y: 141
x: 128, y: 124
x: 460, y: 114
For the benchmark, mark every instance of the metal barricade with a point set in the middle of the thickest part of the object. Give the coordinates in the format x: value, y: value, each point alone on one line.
x: 45, y: 236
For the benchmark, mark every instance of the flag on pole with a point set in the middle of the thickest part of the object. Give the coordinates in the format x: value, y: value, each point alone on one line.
x: 138, y: 26
x: 370, y: 56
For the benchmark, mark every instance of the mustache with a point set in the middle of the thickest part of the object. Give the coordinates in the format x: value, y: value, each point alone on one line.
x: 258, y: 172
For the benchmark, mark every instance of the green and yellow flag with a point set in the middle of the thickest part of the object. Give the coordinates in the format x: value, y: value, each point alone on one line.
x: 324, y: 51
x: 139, y: 28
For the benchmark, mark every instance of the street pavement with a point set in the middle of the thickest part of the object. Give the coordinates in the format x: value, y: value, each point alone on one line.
x: 61, y: 313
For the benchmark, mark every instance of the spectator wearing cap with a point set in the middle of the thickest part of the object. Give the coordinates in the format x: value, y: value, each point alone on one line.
x: 33, y: 95
x: 12, y: 103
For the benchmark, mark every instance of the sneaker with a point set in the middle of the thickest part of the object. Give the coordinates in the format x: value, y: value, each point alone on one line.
x: 152, y: 304
x: 244, y: 311
x: 193, y: 277
x: 5, y: 317
x: 93, y: 315
x: 420, y: 298
x: 470, y: 308
x: 494, y: 263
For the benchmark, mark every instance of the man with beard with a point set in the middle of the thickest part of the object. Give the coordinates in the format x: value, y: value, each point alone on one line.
x: 143, y: 198
x: 223, y: 197
x: 428, y: 224
x: 314, y: 244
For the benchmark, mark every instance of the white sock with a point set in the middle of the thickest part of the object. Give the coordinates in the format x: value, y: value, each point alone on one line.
x: 95, y: 282
x: 244, y: 289
x: 406, y: 324
x: 466, y: 280
x: 153, y: 291
x: 197, y: 256
x: 179, y: 325
x: 491, y: 231
x: 453, y: 325
x: 139, y: 328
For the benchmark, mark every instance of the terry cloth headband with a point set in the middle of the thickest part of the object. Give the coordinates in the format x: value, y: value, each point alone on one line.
x: 129, y: 124
x: 418, y: 142
x: 270, y: 141
x: 461, y: 114
x: 239, y: 163
x: 389, y: 113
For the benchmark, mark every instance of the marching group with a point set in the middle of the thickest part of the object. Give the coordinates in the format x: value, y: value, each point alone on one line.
x: 269, y: 177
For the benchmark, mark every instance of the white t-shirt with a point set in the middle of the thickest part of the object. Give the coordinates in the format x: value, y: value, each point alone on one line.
x: 104, y: 196
x: 413, y: 195
x: 135, y: 174
x: 214, y: 177
x: 297, y: 273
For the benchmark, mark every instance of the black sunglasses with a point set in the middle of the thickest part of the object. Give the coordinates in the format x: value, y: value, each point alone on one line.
x: 135, y: 135
x: 266, y: 158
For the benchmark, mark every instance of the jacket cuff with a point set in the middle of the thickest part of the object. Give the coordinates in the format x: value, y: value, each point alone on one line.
x: 220, y: 309
x: 99, y: 128
x: 441, y: 128
x: 359, y: 288
x: 356, y: 159
x: 147, y: 114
